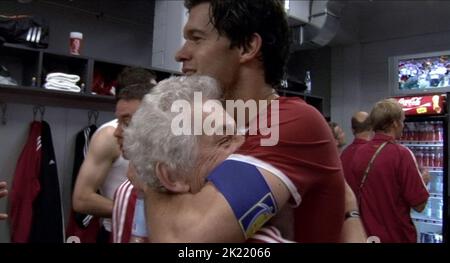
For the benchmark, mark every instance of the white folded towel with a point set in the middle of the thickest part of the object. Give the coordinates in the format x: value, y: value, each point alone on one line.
x: 61, y: 82
x: 63, y: 76
x: 64, y: 87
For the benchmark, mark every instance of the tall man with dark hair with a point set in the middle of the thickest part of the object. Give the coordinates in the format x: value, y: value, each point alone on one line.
x: 244, y: 45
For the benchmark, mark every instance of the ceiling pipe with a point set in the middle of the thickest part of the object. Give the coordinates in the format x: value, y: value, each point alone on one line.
x: 323, y: 24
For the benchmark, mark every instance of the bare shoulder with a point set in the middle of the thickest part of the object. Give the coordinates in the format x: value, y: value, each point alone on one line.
x: 103, y: 143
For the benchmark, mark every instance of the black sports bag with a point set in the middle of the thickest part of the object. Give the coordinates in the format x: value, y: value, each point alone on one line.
x: 28, y: 30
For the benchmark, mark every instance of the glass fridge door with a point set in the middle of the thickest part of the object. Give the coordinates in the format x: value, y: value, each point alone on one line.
x: 426, y: 140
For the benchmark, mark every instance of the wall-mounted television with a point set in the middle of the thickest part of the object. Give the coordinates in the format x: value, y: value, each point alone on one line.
x: 420, y: 73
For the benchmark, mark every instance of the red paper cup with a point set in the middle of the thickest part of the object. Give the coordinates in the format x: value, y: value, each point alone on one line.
x: 76, y: 39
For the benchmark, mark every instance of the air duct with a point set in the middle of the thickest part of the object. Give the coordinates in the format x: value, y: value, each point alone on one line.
x: 323, y: 24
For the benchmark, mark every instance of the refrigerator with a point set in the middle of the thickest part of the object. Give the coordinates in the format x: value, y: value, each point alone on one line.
x: 426, y: 134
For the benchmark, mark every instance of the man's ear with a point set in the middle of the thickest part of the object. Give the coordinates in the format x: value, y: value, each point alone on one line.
x: 252, y: 49
x: 169, y: 180
x: 396, y: 124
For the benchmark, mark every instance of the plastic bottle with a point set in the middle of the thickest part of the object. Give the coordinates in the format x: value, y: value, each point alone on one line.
x: 440, y: 158
x: 432, y: 159
x: 415, y: 132
x: 308, y: 82
x: 426, y: 157
x: 438, y: 184
x: 429, y: 209
x: 420, y: 157
x: 430, y: 132
x: 139, y: 233
x: 405, y: 134
x: 440, y: 133
x: 440, y: 209
x: 435, y: 132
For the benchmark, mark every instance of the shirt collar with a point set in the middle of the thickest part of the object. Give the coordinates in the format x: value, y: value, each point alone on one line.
x: 383, y: 137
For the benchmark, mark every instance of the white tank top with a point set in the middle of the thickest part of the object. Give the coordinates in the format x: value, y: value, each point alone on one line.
x: 116, y: 176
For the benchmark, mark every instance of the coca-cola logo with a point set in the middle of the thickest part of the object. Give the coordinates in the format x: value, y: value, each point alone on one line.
x: 411, y: 102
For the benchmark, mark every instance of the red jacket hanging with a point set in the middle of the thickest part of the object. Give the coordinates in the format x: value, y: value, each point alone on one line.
x: 25, y: 186
x: 36, y: 210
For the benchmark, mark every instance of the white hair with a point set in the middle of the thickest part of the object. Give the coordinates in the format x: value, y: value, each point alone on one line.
x: 149, y: 138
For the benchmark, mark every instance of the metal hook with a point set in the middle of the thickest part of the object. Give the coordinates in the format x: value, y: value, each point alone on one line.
x: 3, y: 113
x: 41, y: 110
x: 89, y: 117
x: 96, y: 117
x: 35, y: 109
x: 92, y: 114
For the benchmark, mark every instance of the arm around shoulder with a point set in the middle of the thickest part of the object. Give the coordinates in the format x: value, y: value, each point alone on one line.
x: 202, y: 217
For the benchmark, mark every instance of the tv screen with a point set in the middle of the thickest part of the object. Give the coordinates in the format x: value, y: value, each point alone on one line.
x: 424, y: 73
x: 420, y: 73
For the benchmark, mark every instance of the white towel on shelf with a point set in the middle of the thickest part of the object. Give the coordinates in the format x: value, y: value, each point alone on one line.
x: 61, y: 82
x: 62, y: 87
x: 63, y: 76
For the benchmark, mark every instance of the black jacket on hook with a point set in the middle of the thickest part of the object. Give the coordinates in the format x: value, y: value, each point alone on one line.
x: 36, y: 210
x: 47, y: 225
x: 85, y: 227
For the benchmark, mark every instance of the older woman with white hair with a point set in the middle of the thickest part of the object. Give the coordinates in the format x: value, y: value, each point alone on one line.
x: 169, y: 140
x: 169, y: 153
x: 177, y: 137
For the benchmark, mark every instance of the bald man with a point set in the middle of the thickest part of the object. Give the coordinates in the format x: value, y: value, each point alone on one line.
x: 362, y: 131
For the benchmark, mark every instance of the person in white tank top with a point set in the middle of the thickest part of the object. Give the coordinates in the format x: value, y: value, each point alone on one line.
x: 104, y: 167
x: 115, y: 177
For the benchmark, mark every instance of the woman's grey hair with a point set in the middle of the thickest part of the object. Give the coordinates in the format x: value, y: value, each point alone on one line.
x: 149, y: 138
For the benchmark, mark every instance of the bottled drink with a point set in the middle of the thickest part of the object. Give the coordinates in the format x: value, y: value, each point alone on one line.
x: 423, y: 131
x: 405, y: 134
x: 432, y: 184
x: 33, y: 82
x: 438, y: 184
x: 426, y: 157
x: 432, y: 160
x: 420, y: 161
x: 439, y: 209
x: 428, y: 209
x: 435, y: 133
x: 438, y: 160
x: 139, y: 232
x: 415, y: 132
x: 429, y: 131
x: 308, y: 82
x: 440, y: 133
x: 440, y: 157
